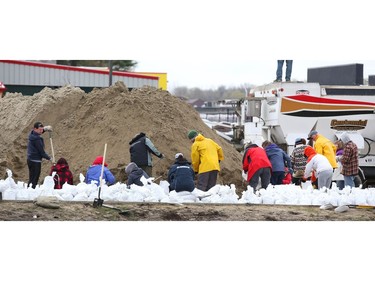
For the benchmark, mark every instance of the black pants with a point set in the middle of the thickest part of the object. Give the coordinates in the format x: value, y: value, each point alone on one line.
x: 34, y: 172
x: 207, y: 180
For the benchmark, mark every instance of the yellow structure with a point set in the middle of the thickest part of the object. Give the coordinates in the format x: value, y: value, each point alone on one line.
x: 162, y: 84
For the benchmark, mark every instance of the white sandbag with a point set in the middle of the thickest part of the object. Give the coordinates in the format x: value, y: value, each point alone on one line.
x: 22, y: 194
x: 9, y: 194
x: 80, y: 197
x: 165, y: 186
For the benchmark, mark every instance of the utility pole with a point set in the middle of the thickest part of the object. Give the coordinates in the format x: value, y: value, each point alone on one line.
x: 110, y: 73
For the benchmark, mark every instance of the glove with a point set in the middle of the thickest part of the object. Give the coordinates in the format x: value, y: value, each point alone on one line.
x: 47, y: 129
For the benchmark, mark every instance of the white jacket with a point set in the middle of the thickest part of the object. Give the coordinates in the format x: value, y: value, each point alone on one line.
x: 317, y: 164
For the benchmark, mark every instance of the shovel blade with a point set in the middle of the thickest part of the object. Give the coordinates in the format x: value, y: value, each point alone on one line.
x: 97, y: 202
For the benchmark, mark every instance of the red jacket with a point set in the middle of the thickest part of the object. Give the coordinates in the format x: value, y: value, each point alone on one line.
x: 63, y: 174
x: 310, y: 153
x: 254, y: 159
x: 288, y: 178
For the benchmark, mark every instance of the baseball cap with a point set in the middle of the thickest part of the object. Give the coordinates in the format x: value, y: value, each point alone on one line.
x: 312, y: 133
x: 178, y: 155
x: 38, y: 125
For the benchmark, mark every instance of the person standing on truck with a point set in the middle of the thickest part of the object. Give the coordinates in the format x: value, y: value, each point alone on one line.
x: 349, y: 160
x: 279, y: 71
x: 205, y: 159
x: 256, y: 165
x: 279, y: 160
x: 324, y: 146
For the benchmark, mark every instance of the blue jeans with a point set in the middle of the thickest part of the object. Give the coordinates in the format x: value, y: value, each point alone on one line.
x: 277, y: 177
x: 279, y: 72
x: 349, y: 180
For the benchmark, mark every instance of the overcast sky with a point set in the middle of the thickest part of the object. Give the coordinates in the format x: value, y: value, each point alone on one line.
x: 214, y: 73
x: 202, y: 44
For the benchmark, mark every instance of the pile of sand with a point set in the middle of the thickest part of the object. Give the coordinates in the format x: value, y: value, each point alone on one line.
x: 83, y: 123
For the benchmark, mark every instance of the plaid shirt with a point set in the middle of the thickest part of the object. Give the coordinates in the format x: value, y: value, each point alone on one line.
x: 349, y: 159
x: 63, y: 175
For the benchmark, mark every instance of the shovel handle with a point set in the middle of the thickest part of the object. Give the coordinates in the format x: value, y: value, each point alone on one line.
x: 361, y: 206
x: 53, y: 152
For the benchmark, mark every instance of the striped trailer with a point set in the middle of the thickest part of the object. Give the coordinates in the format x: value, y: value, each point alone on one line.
x: 29, y: 77
x: 282, y: 112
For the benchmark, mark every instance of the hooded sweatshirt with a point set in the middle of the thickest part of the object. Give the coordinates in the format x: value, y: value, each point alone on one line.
x: 278, y: 158
x: 94, y: 171
x: 205, y: 155
x: 135, y: 174
x: 181, y: 176
x: 35, y: 148
x: 315, y: 162
x: 254, y: 159
x: 325, y: 147
x: 349, y: 159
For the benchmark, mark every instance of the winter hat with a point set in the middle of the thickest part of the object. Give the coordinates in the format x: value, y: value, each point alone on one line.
x: 38, y: 124
x: 130, y: 167
x: 178, y: 155
x: 309, y: 151
x: 312, y: 133
x: 99, y: 161
x: 299, y: 141
x: 345, y: 138
x: 192, y: 134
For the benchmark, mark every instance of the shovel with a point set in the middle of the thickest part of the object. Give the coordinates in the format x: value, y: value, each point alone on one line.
x: 52, y: 150
x: 97, y: 201
x: 361, y: 207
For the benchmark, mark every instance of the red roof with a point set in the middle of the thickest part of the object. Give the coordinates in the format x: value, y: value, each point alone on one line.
x: 74, y: 68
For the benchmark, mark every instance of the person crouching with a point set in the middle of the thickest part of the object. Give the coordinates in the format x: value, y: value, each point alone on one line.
x: 135, y: 174
x: 181, y: 175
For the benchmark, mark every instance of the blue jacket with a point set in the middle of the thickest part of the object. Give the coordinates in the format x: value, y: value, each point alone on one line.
x: 93, y: 174
x: 35, y: 148
x: 278, y: 158
x: 135, y: 176
x: 181, y: 176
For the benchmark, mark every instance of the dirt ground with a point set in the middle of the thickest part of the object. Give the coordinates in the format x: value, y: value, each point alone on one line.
x: 84, y: 211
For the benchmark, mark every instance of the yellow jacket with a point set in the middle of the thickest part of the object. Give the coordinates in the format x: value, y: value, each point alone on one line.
x: 205, y: 155
x: 325, y: 147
